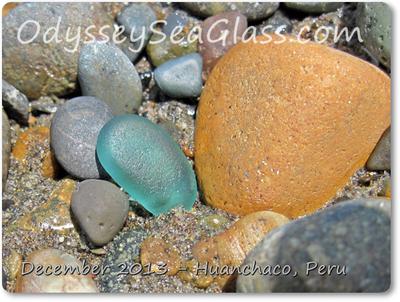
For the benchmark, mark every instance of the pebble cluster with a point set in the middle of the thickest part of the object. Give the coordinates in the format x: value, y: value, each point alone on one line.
x: 180, y: 155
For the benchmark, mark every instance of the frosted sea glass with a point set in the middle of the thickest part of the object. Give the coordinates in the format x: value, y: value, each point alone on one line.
x: 147, y: 163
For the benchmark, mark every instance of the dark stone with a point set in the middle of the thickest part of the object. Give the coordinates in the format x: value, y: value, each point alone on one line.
x: 15, y: 103
x: 354, y: 234
x: 380, y: 158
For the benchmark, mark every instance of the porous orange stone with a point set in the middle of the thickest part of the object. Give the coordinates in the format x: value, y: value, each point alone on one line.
x: 34, y: 135
x: 230, y: 247
x: 282, y: 127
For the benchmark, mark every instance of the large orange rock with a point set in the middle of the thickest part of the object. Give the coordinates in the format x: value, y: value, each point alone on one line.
x: 282, y: 127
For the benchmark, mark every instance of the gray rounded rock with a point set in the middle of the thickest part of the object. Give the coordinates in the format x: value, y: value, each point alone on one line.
x: 314, y: 7
x: 375, y: 22
x: 352, y: 234
x: 38, y: 68
x: 100, y: 208
x: 380, y: 158
x: 174, y: 21
x: 252, y: 10
x: 15, y: 103
x: 73, y: 135
x: 107, y: 73
x: 136, y: 19
x: 181, y: 77
x: 6, y: 146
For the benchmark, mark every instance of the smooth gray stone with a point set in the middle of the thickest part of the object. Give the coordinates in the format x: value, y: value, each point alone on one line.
x: 252, y: 10
x: 181, y: 77
x: 375, y: 22
x: 173, y: 21
x: 107, y: 73
x: 136, y: 19
x: 314, y: 7
x: 355, y: 234
x: 380, y: 157
x: 15, y: 103
x: 6, y: 147
x: 73, y: 135
x: 277, y: 22
x: 100, y: 208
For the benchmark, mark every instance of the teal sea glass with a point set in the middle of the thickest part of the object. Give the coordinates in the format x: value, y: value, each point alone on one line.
x: 147, y: 163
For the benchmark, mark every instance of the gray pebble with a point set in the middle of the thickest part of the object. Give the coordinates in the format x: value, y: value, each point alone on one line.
x: 73, y: 134
x: 44, y: 104
x: 354, y: 234
x: 314, y: 7
x: 136, y: 19
x: 173, y: 21
x: 6, y: 147
x: 278, y: 22
x: 100, y: 208
x: 107, y: 73
x: 181, y: 77
x: 252, y: 10
x: 375, y: 23
x: 380, y: 157
x: 15, y: 103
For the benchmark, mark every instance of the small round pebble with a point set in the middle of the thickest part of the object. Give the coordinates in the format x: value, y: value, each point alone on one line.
x: 136, y: 19
x: 181, y: 77
x: 108, y: 74
x: 73, y: 135
x: 100, y: 208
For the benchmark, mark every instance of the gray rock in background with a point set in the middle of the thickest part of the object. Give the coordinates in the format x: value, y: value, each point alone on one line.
x: 15, y: 103
x: 100, y: 208
x: 380, y: 158
x: 355, y: 234
x: 107, y: 73
x: 73, y: 135
x: 40, y: 68
x: 181, y: 77
x: 6, y: 147
x: 314, y: 7
x: 375, y: 22
x: 252, y: 10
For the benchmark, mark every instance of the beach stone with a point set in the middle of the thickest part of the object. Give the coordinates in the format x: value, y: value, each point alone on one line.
x: 375, y: 22
x: 123, y: 252
x: 278, y: 22
x: 314, y: 7
x: 47, y: 68
x: 380, y: 157
x: 210, y: 48
x: 73, y: 135
x: 181, y: 77
x: 161, y: 49
x: 52, y: 283
x: 172, y: 22
x: 15, y: 103
x: 229, y: 248
x: 100, y: 208
x: 106, y: 73
x: 252, y: 10
x: 276, y: 140
x: 136, y: 19
x: 6, y: 147
x: 160, y: 256
x: 24, y: 146
x: 147, y: 163
x: 353, y: 234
